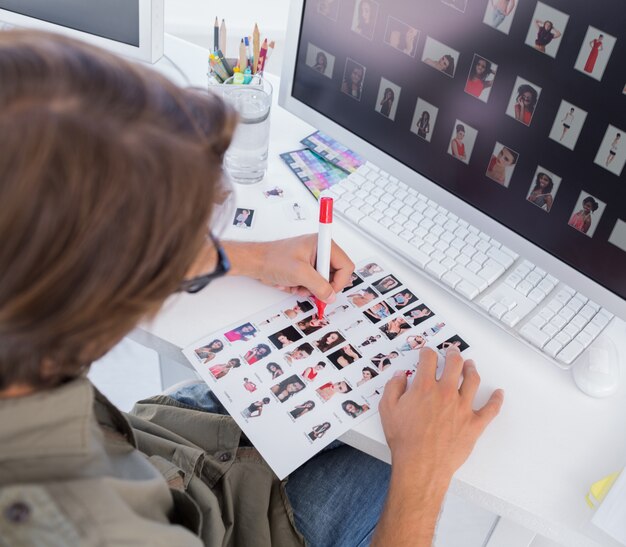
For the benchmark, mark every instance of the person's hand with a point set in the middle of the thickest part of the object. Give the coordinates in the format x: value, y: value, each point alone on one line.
x: 431, y: 427
x: 289, y: 264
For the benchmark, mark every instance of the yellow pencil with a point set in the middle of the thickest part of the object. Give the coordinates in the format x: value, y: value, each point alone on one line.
x: 256, y: 46
x: 243, y: 60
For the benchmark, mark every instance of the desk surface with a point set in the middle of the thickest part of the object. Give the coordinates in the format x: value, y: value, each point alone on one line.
x: 533, y: 465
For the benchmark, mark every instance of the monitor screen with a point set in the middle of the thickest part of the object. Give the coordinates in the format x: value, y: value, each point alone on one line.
x: 116, y: 20
x: 517, y: 108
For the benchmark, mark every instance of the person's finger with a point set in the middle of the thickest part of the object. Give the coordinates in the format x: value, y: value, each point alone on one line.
x: 471, y: 381
x: 453, y: 368
x: 426, y: 368
x: 310, y: 279
x: 341, y: 267
x: 491, y: 409
x: 394, y: 389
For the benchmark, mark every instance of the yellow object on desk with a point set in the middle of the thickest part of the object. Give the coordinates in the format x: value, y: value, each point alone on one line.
x: 600, y: 489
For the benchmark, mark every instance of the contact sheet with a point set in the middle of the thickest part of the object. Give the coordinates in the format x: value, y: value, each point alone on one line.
x: 295, y: 382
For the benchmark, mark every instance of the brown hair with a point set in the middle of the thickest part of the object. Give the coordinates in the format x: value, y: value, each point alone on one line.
x: 108, y: 173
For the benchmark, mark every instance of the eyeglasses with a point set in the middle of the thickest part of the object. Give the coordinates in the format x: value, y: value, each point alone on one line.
x: 196, y: 284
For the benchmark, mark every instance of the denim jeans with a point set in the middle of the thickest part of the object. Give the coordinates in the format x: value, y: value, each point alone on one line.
x: 498, y: 17
x: 337, y: 496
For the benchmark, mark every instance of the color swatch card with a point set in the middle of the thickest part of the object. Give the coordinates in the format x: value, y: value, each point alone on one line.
x: 314, y: 172
x: 294, y: 382
x: 333, y: 151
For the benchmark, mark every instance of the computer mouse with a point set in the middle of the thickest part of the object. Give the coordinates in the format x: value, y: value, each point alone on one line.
x: 597, y: 370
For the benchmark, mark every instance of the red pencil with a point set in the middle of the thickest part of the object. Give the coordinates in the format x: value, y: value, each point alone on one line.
x: 262, y: 56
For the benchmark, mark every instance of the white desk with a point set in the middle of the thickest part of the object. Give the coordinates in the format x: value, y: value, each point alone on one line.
x: 533, y: 465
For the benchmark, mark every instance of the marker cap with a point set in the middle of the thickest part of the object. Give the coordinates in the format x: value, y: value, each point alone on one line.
x: 326, y: 210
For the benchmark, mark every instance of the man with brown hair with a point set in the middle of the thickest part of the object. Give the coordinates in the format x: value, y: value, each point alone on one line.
x: 108, y: 176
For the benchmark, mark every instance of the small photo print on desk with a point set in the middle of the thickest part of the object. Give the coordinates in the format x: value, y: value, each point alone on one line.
x: 219, y: 370
x: 502, y: 164
x: 258, y: 352
x: 303, y: 351
x: 401, y: 36
x: 255, y: 409
x: 328, y: 390
x: 284, y: 390
x: 440, y: 57
x: 543, y: 189
x: 319, y: 60
x: 302, y: 409
x: 355, y: 280
x: 312, y: 324
x: 369, y: 270
x: 568, y: 124
x: 412, y: 343
x: 311, y: 373
x: 328, y: 8
x: 329, y: 340
x: 455, y: 340
x: 362, y: 297
x: 387, y: 100
x: 296, y: 211
x: 344, y: 356
x: 378, y: 312
x: 318, y: 431
x: 402, y: 299
x: 209, y: 351
x: 274, y: 194
x: 301, y: 306
x: 500, y: 13
x: 386, y: 284
x: 523, y: 101
x: 354, y: 409
x: 419, y: 314
x: 285, y: 337
x: 274, y: 369
x: 587, y: 214
x: 424, y: 118
x: 395, y: 327
x: 243, y: 218
x: 546, y: 29
x: 364, y: 18
x: 612, y: 152
x: 382, y: 361
x: 462, y: 141
x: 242, y: 333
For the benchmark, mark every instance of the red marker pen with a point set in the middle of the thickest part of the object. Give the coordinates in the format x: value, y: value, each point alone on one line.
x: 324, y: 243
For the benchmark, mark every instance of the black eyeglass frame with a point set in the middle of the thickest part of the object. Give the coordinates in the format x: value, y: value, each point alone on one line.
x: 199, y: 282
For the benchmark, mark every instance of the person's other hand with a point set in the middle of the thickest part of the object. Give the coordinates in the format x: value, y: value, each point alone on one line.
x: 431, y: 427
x: 289, y: 264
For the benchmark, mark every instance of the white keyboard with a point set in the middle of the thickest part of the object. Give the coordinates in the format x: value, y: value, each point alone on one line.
x: 518, y: 296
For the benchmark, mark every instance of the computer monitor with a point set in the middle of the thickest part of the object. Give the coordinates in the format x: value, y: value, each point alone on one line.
x: 133, y: 28
x: 510, y: 114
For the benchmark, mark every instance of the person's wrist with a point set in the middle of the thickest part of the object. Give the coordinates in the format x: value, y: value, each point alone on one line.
x: 246, y: 257
x: 413, y: 473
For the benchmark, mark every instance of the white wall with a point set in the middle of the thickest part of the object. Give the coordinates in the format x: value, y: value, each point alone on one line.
x: 193, y: 20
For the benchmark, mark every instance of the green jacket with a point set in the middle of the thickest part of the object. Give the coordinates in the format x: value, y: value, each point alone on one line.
x: 76, y: 471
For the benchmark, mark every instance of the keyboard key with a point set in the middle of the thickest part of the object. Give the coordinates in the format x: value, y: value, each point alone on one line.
x: 452, y: 252
x: 396, y: 228
x: 508, y: 302
x: 567, y: 313
x: 536, y: 296
x: 533, y: 278
x: 367, y: 209
x: 498, y: 310
x: 587, y: 312
x: 437, y: 255
x: 600, y: 320
x: 513, y: 280
x: 570, y: 352
x: 469, y: 251
x: 473, y: 267
x: 584, y: 338
x: 546, y: 313
x: 430, y: 238
x: 480, y: 258
x: 461, y: 232
x: 472, y: 239
x: 448, y: 262
x: 545, y: 286
x: 386, y: 222
x: 376, y: 215
x: 555, y: 305
x: 571, y: 330
x: 538, y: 321
x: 458, y: 244
x: 430, y: 213
x: 524, y: 287
x: 510, y: 252
x: 500, y: 257
x: 440, y: 219
x: 579, y: 322
x: 552, y: 348
x: 406, y: 235
x: 550, y: 330
x: 511, y: 319
x: 491, y: 271
x: 534, y: 335
x: 468, y: 290
x: 592, y: 330
x: 471, y: 277
x: 353, y: 214
x: 451, y: 279
x: 436, y: 269
x: 441, y: 246
x: 576, y: 303
x: 437, y: 231
x: 486, y: 301
x: 448, y: 237
x: 562, y: 338
x: 427, y: 248
x: 558, y: 321
x: 463, y: 260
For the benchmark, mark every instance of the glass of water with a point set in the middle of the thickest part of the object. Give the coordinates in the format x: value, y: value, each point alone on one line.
x: 246, y: 158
